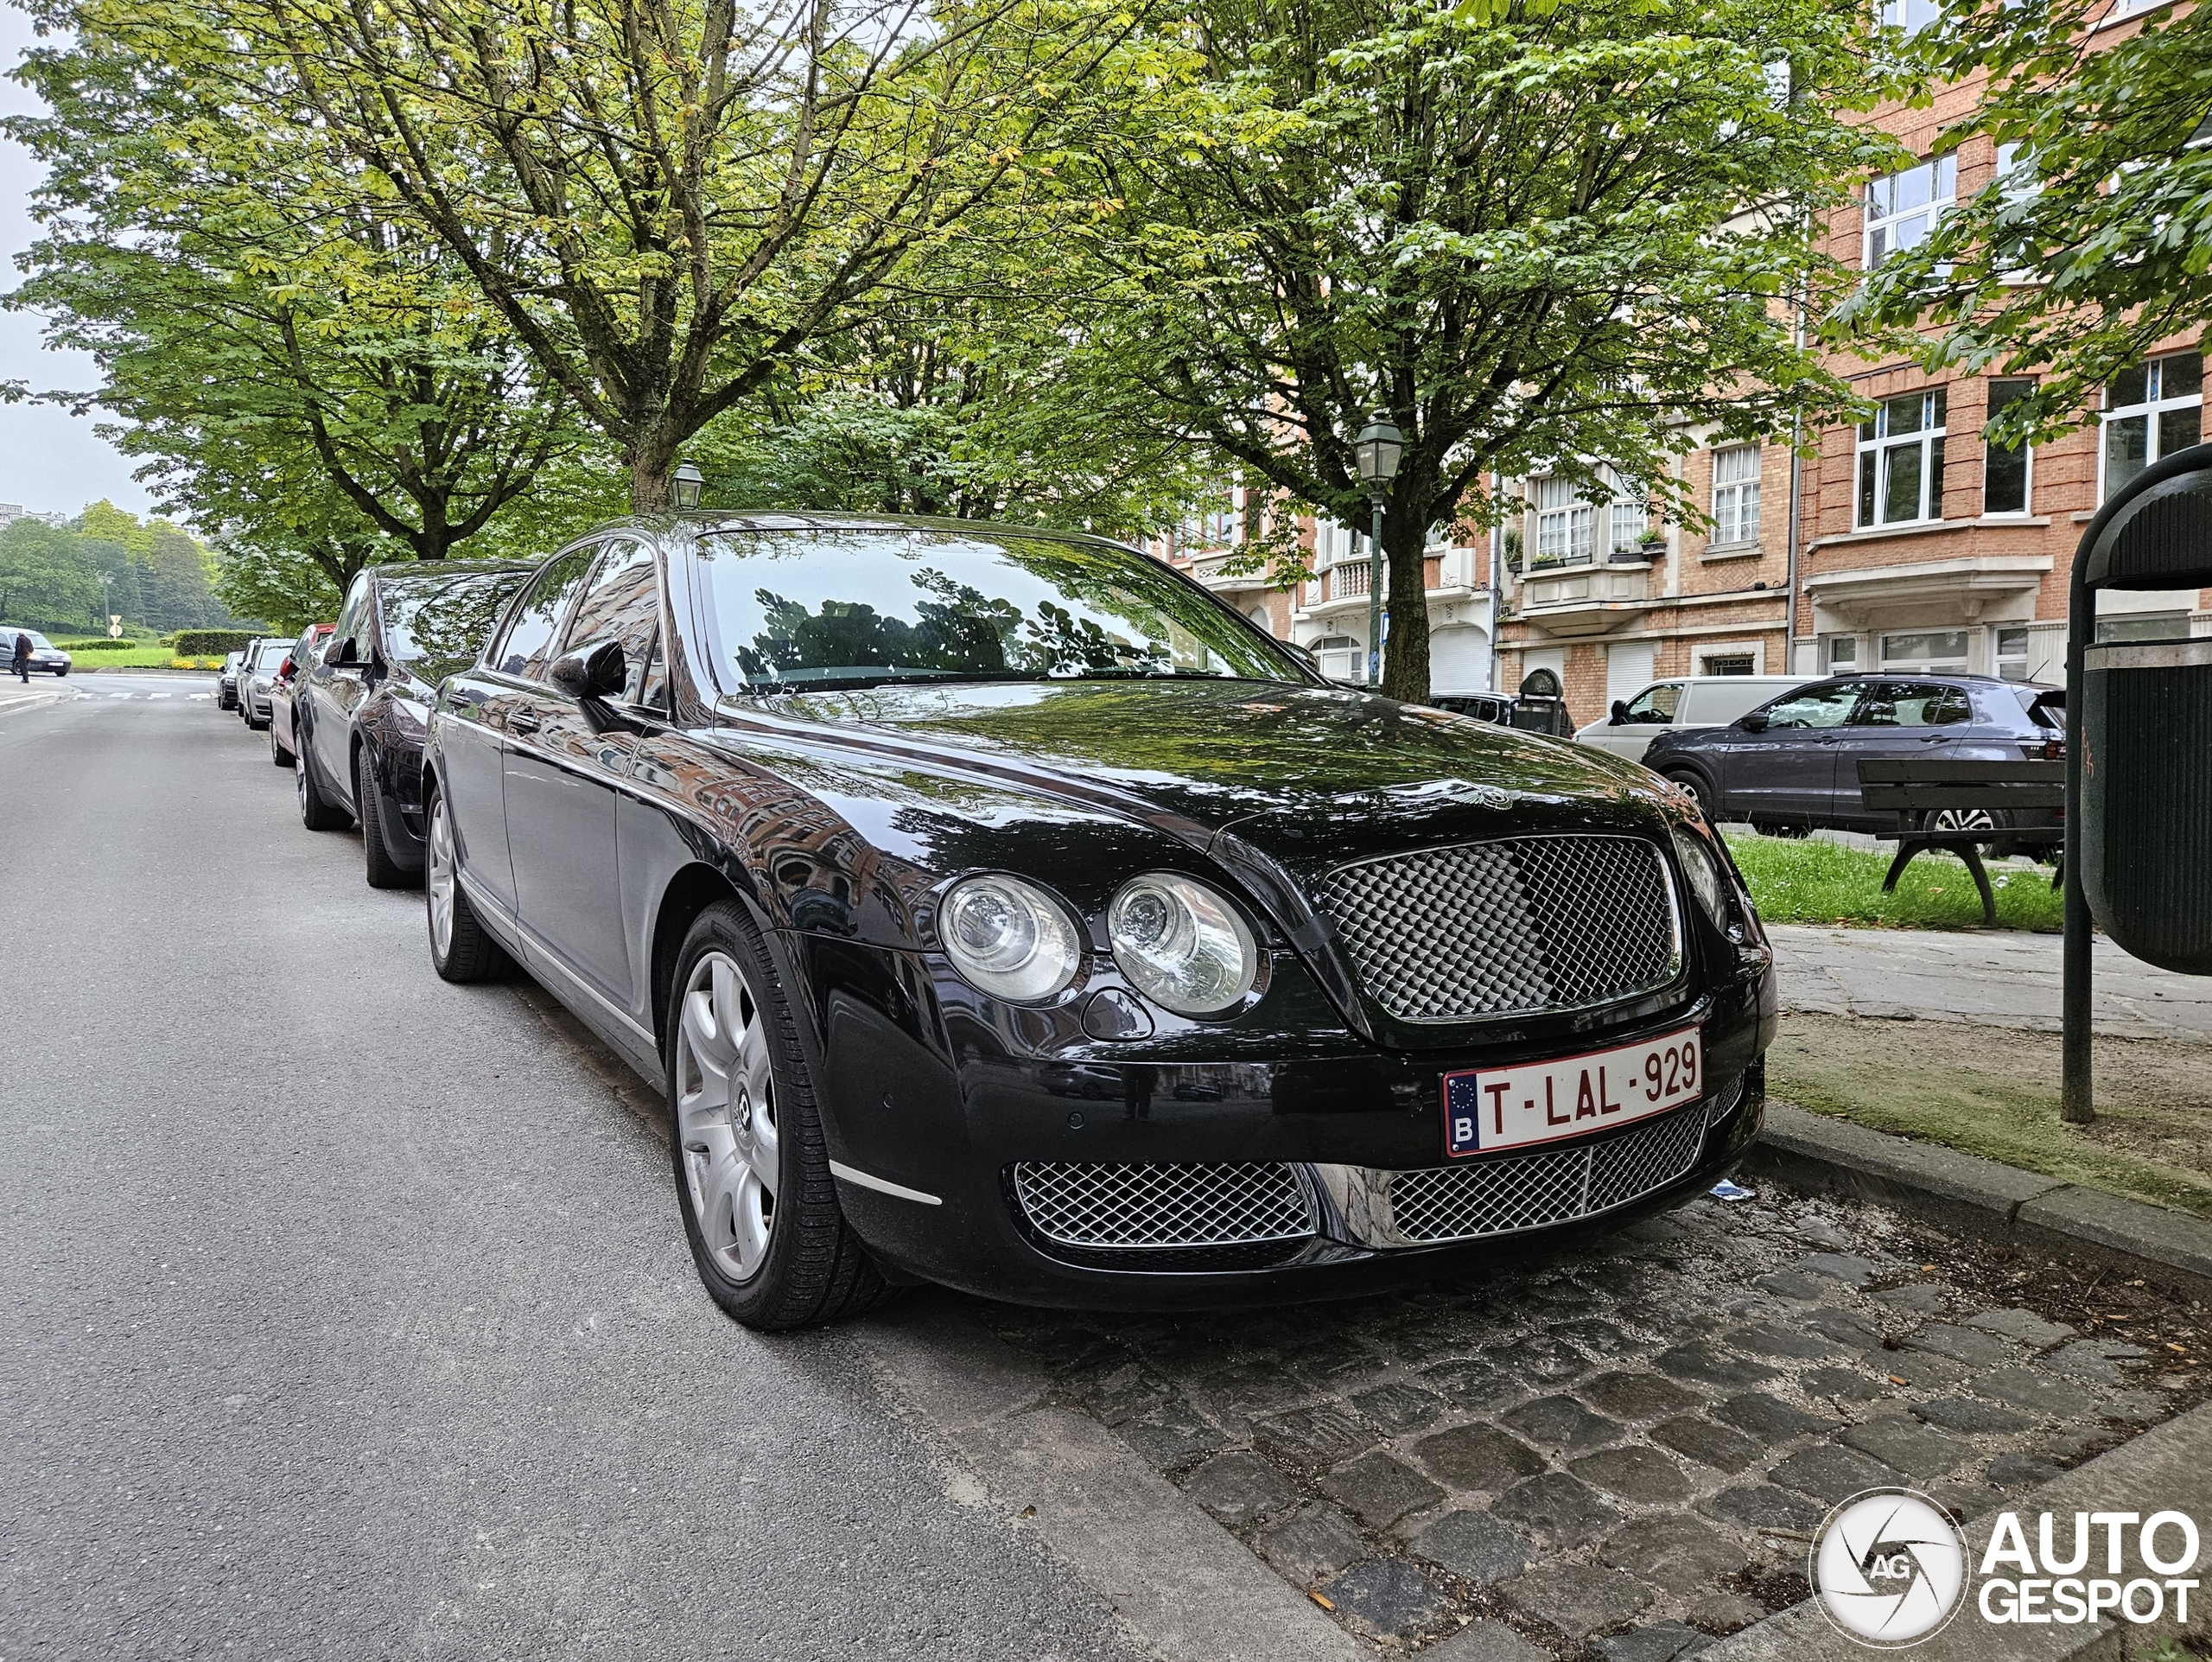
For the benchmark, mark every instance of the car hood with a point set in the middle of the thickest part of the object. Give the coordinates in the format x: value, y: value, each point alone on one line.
x: 1308, y: 775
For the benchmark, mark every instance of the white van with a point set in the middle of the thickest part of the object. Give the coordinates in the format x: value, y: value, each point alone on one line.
x: 1684, y: 701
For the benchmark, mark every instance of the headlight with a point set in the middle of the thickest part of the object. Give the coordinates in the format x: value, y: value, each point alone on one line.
x: 1009, y: 937
x: 1186, y: 947
x: 1707, y: 879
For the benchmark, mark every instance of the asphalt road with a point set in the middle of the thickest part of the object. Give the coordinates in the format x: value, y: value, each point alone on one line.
x: 343, y: 1313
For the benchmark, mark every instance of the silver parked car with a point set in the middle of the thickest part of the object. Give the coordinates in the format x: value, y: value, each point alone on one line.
x: 282, y: 738
x: 1678, y: 705
x: 257, y: 675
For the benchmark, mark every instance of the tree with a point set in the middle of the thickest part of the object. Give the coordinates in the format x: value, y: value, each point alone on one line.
x: 306, y: 376
x: 663, y: 203
x: 1539, y: 236
x: 45, y: 577
x: 2095, y: 244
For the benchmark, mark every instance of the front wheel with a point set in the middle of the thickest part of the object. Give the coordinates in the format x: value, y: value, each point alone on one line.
x: 1695, y: 785
x: 382, y: 871
x: 316, y: 811
x: 460, y: 950
x: 751, y: 1171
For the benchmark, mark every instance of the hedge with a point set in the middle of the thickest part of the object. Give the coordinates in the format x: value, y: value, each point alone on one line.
x: 211, y: 643
x: 102, y: 646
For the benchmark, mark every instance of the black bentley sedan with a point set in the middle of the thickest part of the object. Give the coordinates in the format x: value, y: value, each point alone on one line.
x: 996, y: 907
x: 360, y: 709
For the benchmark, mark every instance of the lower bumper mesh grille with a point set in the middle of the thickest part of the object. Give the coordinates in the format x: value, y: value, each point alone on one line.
x: 1507, y: 1193
x: 1163, y: 1205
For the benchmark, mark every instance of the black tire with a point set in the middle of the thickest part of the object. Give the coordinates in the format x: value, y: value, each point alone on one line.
x: 278, y: 753
x: 468, y: 954
x: 317, y: 812
x: 254, y: 726
x: 1695, y: 785
x: 814, y: 1269
x: 60, y: 673
x: 382, y: 871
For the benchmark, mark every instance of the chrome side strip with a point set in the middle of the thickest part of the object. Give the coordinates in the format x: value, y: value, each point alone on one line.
x: 882, y: 1184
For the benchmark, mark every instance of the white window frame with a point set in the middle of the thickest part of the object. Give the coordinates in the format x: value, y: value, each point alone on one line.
x: 1840, y: 665
x: 2000, y: 660
x: 1566, y: 524
x: 1950, y: 665
x: 1736, y: 501
x: 1754, y: 650
x: 1876, y: 446
x: 2153, y: 405
x: 1881, y: 216
x: 1911, y: 15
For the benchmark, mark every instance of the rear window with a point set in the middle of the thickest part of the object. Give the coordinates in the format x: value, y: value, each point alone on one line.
x: 2043, y: 706
x: 270, y: 653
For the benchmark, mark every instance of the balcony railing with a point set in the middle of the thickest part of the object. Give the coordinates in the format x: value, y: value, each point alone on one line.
x: 1347, y: 581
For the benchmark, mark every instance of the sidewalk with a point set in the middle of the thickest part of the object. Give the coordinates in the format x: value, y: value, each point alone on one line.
x: 1993, y: 978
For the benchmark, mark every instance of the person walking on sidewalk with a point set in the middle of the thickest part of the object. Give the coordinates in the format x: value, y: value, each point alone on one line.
x: 23, y: 656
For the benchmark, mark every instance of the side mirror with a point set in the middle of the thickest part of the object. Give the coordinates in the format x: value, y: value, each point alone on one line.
x: 594, y: 671
x: 1754, y: 722
x: 1305, y: 655
x: 1620, y: 712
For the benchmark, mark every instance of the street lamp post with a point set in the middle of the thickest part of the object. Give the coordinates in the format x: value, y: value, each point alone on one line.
x: 1376, y: 451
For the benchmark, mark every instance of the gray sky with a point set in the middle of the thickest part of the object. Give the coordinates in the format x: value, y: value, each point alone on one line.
x: 48, y: 459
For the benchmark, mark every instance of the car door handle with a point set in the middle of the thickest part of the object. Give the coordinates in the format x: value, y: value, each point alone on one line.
x: 522, y: 720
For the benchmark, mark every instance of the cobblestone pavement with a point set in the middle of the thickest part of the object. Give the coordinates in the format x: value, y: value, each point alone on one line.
x: 2001, y: 977
x: 1623, y: 1451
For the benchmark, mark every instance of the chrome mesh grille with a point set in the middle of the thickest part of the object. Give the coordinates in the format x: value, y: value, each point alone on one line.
x: 1527, y: 923
x: 1163, y: 1205
x: 1511, y: 1192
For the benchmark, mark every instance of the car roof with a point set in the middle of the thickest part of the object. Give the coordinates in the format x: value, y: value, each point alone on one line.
x: 1958, y: 677
x: 713, y: 520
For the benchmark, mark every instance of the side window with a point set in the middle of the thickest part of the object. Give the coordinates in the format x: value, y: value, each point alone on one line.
x: 1655, y: 706
x: 1911, y: 704
x: 621, y: 603
x: 351, y: 615
x: 528, y: 647
x: 1820, y: 706
x: 649, y: 683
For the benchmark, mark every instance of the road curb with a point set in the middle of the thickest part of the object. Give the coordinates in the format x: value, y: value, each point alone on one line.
x: 1189, y: 1589
x: 1825, y: 1156
x: 2167, y: 1468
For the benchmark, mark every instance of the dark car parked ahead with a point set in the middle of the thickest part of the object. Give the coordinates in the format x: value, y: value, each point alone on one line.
x: 1793, y: 761
x: 361, y: 709
x: 997, y: 907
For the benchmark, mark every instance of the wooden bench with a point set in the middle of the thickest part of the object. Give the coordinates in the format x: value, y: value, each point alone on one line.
x: 1914, y: 790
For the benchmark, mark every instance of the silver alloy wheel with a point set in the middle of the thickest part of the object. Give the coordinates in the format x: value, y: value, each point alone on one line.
x: 1966, y: 819
x: 726, y: 1115
x: 439, y: 887
x: 300, y: 775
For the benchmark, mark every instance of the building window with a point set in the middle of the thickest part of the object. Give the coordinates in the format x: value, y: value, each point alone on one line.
x: 1564, y: 523
x: 1843, y: 653
x: 1911, y: 15
x: 2012, y: 654
x: 1731, y: 663
x: 1902, y: 208
x: 1901, y: 460
x: 1935, y: 651
x: 2151, y: 410
x: 2005, y: 470
x: 1736, y: 494
x: 2150, y: 626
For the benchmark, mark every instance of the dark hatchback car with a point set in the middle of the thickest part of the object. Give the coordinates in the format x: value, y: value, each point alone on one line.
x: 1793, y: 762
x: 998, y: 909
x: 361, y: 707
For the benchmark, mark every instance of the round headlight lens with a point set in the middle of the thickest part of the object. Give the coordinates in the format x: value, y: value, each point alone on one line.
x: 1183, y: 946
x: 1009, y: 939
x: 1702, y: 867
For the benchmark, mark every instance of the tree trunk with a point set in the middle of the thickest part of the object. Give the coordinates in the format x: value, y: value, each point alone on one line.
x: 1405, y: 654
x: 652, y: 457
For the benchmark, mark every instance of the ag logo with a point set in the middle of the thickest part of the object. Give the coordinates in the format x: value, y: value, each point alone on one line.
x: 1889, y: 1568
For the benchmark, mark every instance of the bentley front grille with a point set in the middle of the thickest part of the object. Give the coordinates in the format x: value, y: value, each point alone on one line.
x: 1522, y: 925
x: 1506, y: 1193
x: 1149, y: 1206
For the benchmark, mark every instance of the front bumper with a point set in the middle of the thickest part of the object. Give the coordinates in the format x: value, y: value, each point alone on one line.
x: 914, y: 1102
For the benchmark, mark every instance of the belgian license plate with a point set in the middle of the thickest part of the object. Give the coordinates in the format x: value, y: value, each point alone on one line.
x: 1488, y: 1108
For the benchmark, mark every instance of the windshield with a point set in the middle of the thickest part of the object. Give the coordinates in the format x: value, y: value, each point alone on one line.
x: 863, y: 606
x: 38, y: 641
x: 443, y: 625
